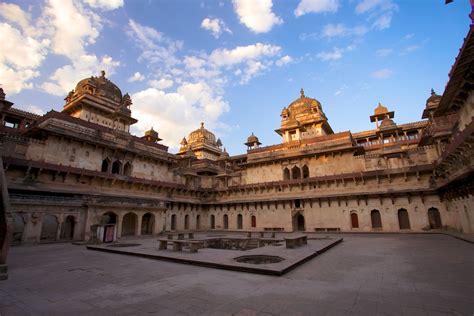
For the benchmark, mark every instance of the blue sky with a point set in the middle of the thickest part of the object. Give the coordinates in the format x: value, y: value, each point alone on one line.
x: 233, y: 64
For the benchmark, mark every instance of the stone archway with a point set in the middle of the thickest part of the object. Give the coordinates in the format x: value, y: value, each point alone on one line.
x: 299, y: 222
x: 67, y: 229
x: 240, y: 221
x: 403, y: 219
x: 198, y: 222
x: 148, y: 224
x: 129, y: 223
x: 213, y: 222
x: 434, y: 218
x: 354, y: 220
x: 173, y: 222
x: 376, y: 219
x: 49, y: 228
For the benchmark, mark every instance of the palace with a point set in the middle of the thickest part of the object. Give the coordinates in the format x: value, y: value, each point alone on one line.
x: 79, y: 174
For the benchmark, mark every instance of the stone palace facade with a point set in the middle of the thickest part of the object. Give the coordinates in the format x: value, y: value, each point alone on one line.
x: 79, y: 174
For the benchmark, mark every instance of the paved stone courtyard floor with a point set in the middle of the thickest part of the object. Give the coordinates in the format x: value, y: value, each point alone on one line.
x: 393, y: 274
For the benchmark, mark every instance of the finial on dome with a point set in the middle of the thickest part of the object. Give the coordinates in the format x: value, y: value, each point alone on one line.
x: 302, y: 92
x: 202, y: 124
x: 102, y: 73
x: 432, y: 91
x: 2, y: 94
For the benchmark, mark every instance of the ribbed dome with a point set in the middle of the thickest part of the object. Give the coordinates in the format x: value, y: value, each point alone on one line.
x: 103, y: 87
x: 387, y: 124
x: 252, y: 139
x: 303, y: 105
x: 201, y: 134
x: 433, y: 98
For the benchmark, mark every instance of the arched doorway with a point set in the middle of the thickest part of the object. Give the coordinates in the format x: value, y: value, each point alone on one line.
x: 198, y: 222
x: 148, y: 224
x: 226, y: 221
x: 186, y: 222
x: 286, y: 174
x: 354, y: 220
x: 18, y: 229
x: 240, y: 221
x: 295, y: 173
x: 109, y: 218
x: 403, y: 219
x: 49, y: 228
x: 127, y: 169
x: 434, y: 218
x: 305, y: 170
x: 253, y: 221
x: 105, y: 165
x: 116, y: 167
x: 67, y: 231
x: 173, y: 222
x: 299, y: 222
x: 129, y: 223
x: 376, y: 219
x: 213, y: 222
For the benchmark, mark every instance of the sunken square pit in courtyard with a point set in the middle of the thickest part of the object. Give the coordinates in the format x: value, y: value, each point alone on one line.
x: 257, y: 252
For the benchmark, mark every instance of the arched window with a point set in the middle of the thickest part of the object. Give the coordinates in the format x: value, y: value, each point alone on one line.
x: 434, y: 218
x: 173, y: 222
x: 376, y: 219
x: 239, y: 221
x: 116, y: 167
x: 403, y: 219
x: 213, y: 222
x: 127, y: 169
x: 186, y: 222
x: 354, y: 220
x: 253, y: 220
x: 305, y: 170
x: 226, y: 221
x: 105, y: 165
x: 286, y: 174
x: 198, y: 222
x: 295, y: 173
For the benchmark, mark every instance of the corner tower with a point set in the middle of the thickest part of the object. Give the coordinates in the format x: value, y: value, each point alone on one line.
x: 100, y: 101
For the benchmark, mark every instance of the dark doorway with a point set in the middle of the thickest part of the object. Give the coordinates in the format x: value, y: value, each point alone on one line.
x: 129, y: 223
x: 213, y: 222
x: 49, y: 228
x: 116, y: 167
x: 198, y: 222
x: 286, y: 174
x: 173, y: 222
x: 105, y: 165
x: 403, y: 219
x: 299, y: 223
x: 295, y: 173
x: 226, y: 221
x: 376, y: 219
x: 18, y: 229
x: 67, y: 231
x: 253, y: 221
x: 434, y: 218
x: 354, y: 220
x: 148, y: 223
x: 305, y: 170
x: 239, y: 221
x: 186, y: 222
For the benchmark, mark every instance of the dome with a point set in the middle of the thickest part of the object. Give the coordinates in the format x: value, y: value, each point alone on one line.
x: 252, y: 139
x: 434, y: 98
x: 303, y: 105
x: 380, y: 109
x: 100, y: 86
x: 202, y: 135
x: 387, y: 124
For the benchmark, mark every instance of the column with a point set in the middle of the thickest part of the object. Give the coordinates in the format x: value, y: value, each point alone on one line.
x: 138, y: 228
x: 118, y: 227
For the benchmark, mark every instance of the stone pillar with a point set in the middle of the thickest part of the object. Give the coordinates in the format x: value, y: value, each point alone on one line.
x: 118, y: 233
x: 5, y: 222
x: 58, y: 230
x: 138, y: 226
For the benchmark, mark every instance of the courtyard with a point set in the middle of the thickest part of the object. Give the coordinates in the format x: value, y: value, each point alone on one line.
x: 383, y: 274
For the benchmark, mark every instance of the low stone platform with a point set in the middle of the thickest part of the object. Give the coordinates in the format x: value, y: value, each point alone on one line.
x: 225, y: 259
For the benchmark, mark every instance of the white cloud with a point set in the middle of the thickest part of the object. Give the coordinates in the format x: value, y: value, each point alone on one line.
x: 14, y: 14
x: 383, y: 22
x: 256, y: 15
x: 105, y: 4
x: 20, y: 56
x: 335, y: 54
x: 175, y: 114
x: 65, y: 78
x: 284, y: 60
x: 365, y: 6
x: 383, y: 52
x: 382, y: 73
x: 72, y: 28
x: 335, y: 30
x: 316, y: 6
x: 215, y: 26
x: 136, y: 77
x: 156, y: 48
x: 340, y: 90
x: 35, y: 109
x: 223, y: 56
x: 161, y: 84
